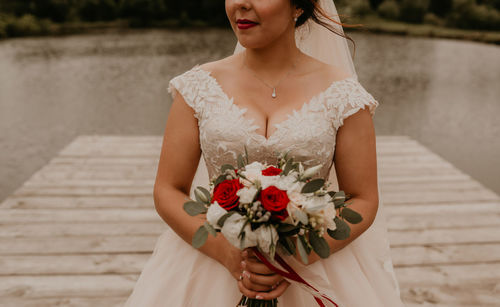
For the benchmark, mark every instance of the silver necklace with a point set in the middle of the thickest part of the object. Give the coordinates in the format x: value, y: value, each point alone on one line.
x: 274, y: 95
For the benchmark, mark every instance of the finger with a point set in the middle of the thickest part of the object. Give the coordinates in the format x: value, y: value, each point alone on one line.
x: 246, y: 292
x: 249, y: 254
x: 257, y: 267
x: 254, y: 286
x: 263, y: 280
x: 278, y: 291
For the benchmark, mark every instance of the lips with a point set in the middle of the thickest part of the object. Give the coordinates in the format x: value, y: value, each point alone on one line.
x: 245, y: 23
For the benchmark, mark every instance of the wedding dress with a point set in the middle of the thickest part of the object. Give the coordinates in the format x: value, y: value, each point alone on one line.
x: 359, y: 275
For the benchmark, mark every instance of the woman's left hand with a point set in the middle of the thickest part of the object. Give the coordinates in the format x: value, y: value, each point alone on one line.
x: 259, y: 281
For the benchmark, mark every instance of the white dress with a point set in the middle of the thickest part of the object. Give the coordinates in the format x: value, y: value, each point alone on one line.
x: 359, y: 275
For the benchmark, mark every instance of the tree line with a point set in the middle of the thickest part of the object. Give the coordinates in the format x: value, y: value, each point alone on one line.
x: 39, y: 15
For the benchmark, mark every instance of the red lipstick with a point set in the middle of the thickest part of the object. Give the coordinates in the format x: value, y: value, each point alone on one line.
x: 245, y: 23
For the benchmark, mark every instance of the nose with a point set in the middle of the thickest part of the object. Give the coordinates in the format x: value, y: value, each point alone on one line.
x: 243, y: 4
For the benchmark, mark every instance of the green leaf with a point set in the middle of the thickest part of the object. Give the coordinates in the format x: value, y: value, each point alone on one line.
x: 223, y: 218
x: 210, y: 229
x: 194, y: 208
x: 351, y: 216
x: 284, y: 227
x: 202, y: 195
x: 319, y: 244
x: 200, y: 237
x: 288, y: 244
x: 342, y: 232
x: 246, y: 154
x: 288, y: 166
x: 219, y: 179
x: 225, y: 167
x: 241, y: 161
x: 302, y: 250
x: 313, y: 185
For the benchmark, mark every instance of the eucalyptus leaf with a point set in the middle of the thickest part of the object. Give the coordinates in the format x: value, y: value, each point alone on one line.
x: 284, y: 227
x: 288, y: 244
x: 288, y: 166
x: 210, y: 229
x: 319, y: 244
x: 202, y: 195
x: 246, y: 155
x: 241, y: 161
x: 342, y: 232
x: 223, y: 218
x: 200, y: 237
x: 302, y: 250
x: 219, y: 179
x: 194, y: 208
x: 225, y: 167
x: 351, y: 216
x: 313, y: 185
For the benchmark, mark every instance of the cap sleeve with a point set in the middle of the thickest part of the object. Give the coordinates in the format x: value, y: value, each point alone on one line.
x: 187, y: 85
x: 351, y: 98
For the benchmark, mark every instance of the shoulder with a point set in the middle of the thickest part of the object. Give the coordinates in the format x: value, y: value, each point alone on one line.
x: 221, y: 66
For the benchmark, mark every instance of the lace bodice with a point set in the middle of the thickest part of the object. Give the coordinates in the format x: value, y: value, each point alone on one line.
x: 309, y: 133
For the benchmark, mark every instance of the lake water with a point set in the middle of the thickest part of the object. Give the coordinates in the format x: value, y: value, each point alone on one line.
x: 443, y: 93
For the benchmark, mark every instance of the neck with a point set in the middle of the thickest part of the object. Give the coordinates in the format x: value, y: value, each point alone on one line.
x: 274, y: 58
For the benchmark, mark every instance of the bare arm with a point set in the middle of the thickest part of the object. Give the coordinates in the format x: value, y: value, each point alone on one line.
x: 356, y: 166
x: 177, y: 165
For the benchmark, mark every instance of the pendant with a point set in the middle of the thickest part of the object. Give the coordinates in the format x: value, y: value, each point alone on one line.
x: 274, y: 93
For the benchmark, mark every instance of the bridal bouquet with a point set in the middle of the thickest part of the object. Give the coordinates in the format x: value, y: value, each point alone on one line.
x: 266, y: 207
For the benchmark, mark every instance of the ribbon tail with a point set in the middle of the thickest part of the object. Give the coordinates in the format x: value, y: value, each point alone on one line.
x: 293, y: 277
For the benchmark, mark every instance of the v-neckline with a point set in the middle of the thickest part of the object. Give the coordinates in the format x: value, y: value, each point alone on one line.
x: 243, y: 110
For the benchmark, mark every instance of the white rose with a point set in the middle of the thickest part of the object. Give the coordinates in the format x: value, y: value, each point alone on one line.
x: 265, y: 235
x: 253, y: 170
x: 214, y: 213
x: 315, y: 203
x: 267, y: 181
x: 289, y: 183
x: 232, y: 228
x: 247, y: 194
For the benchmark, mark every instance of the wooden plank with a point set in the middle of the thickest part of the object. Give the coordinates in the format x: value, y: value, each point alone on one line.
x: 77, y: 245
x: 131, y: 263
x: 472, y: 284
x: 14, y: 216
x: 443, y: 208
x: 64, y: 302
x: 58, y: 286
x: 442, y: 236
x: 433, y: 221
x: 424, y: 255
x: 16, y: 230
x: 68, y: 202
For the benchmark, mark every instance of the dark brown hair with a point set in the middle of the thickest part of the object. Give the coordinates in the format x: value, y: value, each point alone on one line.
x: 312, y: 10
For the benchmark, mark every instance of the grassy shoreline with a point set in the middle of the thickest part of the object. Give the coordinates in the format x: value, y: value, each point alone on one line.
x: 371, y: 24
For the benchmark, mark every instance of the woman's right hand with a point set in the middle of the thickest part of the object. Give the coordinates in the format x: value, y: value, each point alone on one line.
x: 232, y: 259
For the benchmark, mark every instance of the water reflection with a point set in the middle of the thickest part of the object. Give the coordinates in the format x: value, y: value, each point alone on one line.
x: 443, y: 93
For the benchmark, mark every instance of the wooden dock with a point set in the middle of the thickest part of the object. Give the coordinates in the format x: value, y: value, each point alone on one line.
x: 79, y: 231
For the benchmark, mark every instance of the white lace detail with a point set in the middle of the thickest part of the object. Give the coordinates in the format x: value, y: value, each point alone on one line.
x: 309, y: 133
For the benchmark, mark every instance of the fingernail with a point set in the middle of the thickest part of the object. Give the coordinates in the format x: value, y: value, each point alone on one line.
x: 246, y: 274
x: 259, y: 297
x: 243, y: 264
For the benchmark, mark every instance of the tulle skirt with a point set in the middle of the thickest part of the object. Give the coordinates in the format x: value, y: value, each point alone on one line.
x: 359, y: 275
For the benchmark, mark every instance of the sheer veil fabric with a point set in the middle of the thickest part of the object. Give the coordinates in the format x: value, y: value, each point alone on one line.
x: 373, y: 245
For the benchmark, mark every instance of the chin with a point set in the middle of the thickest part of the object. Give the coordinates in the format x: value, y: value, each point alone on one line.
x: 252, y: 43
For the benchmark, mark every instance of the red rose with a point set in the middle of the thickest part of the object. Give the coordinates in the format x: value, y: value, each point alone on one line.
x: 275, y: 201
x: 225, y: 194
x: 271, y: 171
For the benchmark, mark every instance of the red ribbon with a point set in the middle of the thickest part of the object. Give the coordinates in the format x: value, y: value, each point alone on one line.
x: 291, y: 274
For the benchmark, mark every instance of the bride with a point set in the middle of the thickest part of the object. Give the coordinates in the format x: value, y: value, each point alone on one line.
x: 290, y: 85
